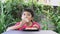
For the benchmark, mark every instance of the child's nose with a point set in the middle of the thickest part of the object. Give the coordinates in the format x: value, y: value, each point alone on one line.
x: 25, y: 16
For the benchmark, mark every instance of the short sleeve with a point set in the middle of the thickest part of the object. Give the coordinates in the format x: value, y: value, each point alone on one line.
x: 17, y: 23
x: 36, y: 24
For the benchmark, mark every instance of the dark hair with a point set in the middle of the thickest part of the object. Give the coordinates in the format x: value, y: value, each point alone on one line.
x: 29, y: 10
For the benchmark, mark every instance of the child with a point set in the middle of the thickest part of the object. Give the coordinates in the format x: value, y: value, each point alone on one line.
x: 26, y: 22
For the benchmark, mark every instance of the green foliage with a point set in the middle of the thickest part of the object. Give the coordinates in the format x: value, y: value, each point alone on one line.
x: 10, y: 12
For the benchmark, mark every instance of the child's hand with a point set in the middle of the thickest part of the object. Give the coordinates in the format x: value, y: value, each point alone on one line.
x: 24, y: 21
x: 8, y: 29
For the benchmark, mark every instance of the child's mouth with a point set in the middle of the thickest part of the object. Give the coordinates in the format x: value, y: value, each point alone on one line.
x: 25, y: 19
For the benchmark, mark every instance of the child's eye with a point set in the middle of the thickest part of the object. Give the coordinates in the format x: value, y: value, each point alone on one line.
x: 28, y: 14
x: 24, y: 14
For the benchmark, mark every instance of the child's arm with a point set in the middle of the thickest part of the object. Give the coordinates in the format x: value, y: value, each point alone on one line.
x: 13, y: 27
x: 17, y: 26
x: 32, y: 28
x: 35, y: 27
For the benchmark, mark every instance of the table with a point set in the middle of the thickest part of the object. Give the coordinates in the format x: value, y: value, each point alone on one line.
x: 30, y: 32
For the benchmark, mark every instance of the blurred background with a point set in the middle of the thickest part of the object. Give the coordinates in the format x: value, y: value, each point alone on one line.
x: 46, y: 13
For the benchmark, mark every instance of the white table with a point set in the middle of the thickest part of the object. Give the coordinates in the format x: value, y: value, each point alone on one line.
x: 30, y: 32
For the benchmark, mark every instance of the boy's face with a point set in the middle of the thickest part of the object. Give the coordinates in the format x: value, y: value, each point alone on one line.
x: 27, y: 15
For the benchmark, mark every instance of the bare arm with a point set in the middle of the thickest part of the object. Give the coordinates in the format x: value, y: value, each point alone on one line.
x: 33, y: 28
x: 16, y: 27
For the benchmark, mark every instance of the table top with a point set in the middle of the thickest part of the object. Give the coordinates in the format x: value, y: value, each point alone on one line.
x: 30, y: 32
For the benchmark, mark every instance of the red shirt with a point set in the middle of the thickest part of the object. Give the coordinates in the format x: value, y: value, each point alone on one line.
x: 25, y: 26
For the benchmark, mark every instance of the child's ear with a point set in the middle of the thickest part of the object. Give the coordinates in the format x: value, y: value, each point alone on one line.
x: 32, y: 18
